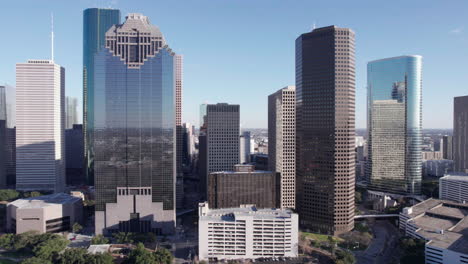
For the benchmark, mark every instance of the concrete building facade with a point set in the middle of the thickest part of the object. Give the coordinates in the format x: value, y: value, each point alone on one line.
x: 282, y: 141
x: 325, y: 129
x: 246, y: 233
x: 454, y: 187
x: 244, y: 185
x: 44, y: 214
x: 40, y: 124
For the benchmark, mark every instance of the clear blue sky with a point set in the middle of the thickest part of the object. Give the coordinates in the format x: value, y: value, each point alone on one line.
x: 240, y: 51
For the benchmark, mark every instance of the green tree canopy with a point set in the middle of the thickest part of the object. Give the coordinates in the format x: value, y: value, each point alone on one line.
x: 8, y: 195
x: 163, y: 256
x: 73, y: 256
x: 50, y: 248
x: 99, y: 240
x: 123, y: 237
x: 76, y: 228
x: 99, y: 258
x: 140, y: 256
x: 35, y: 260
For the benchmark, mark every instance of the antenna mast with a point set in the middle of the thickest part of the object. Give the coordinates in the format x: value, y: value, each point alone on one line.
x: 52, y: 36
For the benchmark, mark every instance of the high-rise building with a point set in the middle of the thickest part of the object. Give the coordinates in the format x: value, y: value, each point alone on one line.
x: 219, y: 140
x: 74, y: 155
x: 446, y: 147
x: 325, y: 129
x: 188, y: 143
x: 71, y: 112
x: 244, y: 185
x: 40, y: 123
x: 460, y: 133
x: 282, y: 141
x: 244, y: 147
x: 394, y: 114
x: 3, y: 137
x: 96, y: 22
x: 134, y: 137
x: 178, y: 102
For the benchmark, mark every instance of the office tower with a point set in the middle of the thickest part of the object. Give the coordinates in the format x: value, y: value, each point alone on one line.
x: 40, y: 123
x: 3, y: 137
x: 244, y: 147
x: 96, y: 22
x: 282, y: 141
x: 446, y: 147
x: 188, y: 144
x: 325, y: 129
x: 394, y: 114
x: 460, y: 133
x: 74, y: 155
x: 178, y: 102
x: 135, y: 130
x: 219, y: 140
x: 71, y: 112
x: 244, y: 185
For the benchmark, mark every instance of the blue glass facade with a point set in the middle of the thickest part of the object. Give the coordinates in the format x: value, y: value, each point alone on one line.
x: 96, y: 22
x: 394, y: 95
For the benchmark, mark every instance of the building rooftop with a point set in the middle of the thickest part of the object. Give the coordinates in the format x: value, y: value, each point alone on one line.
x: 242, y: 211
x: 443, y: 223
x: 94, y: 249
x: 456, y: 176
x: 45, y: 200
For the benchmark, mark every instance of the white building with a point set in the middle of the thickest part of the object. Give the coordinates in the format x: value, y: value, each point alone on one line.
x: 45, y: 214
x: 282, y: 141
x: 454, y: 187
x: 40, y: 124
x: 245, y: 147
x: 443, y: 225
x: 246, y: 233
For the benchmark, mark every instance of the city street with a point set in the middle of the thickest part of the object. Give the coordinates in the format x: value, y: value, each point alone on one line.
x: 383, y: 245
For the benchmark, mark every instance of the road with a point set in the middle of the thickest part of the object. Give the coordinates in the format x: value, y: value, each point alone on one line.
x: 383, y: 245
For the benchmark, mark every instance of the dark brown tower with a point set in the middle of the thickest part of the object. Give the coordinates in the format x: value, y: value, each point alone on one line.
x: 325, y: 84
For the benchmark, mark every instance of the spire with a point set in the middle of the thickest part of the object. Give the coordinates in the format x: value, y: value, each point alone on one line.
x: 52, y: 36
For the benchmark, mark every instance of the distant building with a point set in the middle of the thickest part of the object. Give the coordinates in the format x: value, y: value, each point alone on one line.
x: 189, y: 143
x: 443, y: 225
x: 454, y: 187
x: 245, y: 147
x: 437, y: 168
x: 74, y: 153
x: 244, y: 185
x: 246, y: 233
x: 71, y: 112
x: 44, y: 214
x: 431, y: 155
x: 394, y: 89
x: 40, y: 117
x: 325, y: 129
x: 460, y: 133
x: 219, y: 140
x: 282, y: 141
x: 446, y: 147
x: 3, y: 138
x: 11, y: 155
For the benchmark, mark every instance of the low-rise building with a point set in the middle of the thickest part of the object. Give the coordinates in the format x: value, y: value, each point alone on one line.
x: 45, y: 214
x: 454, y: 187
x: 443, y: 224
x: 244, y: 185
x: 246, y: 233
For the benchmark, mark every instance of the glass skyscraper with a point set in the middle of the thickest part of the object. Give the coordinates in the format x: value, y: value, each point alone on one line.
x: 96, y: 22
x: 394, y: 116
x: 134, y: 129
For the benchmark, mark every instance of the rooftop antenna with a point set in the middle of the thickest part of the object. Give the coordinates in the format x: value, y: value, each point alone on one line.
x: 52, y: 36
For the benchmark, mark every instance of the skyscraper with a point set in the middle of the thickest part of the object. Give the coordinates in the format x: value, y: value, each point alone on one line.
x: 134, y: 129
x: 460, y: 133
x: 96, y: 22
x: 325, y: 129
x: 71, y: 112
x: 394, y: 114
x: 282, y: 141
x: 179, y: 129
x: 244, y: 147
x: 40, y: 123
x: 3, y: 137
x: 219, y: 140
x: 447, y: 146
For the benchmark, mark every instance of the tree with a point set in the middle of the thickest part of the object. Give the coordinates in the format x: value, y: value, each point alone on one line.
x: 73, y: 256
x: 35, y: 260
x: 123, y: 237
x: 140, y: 256
x: 163, y: 256
x: 6, y: 241
x: 413, y: 251
x: 99, y: 258
x: 8, y: 194
x: 358, y: 197
x: 50, y: 248
x: 76, y: 227
x: 345, y: 257
x: 99, y: 240
x: 142, y: 237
